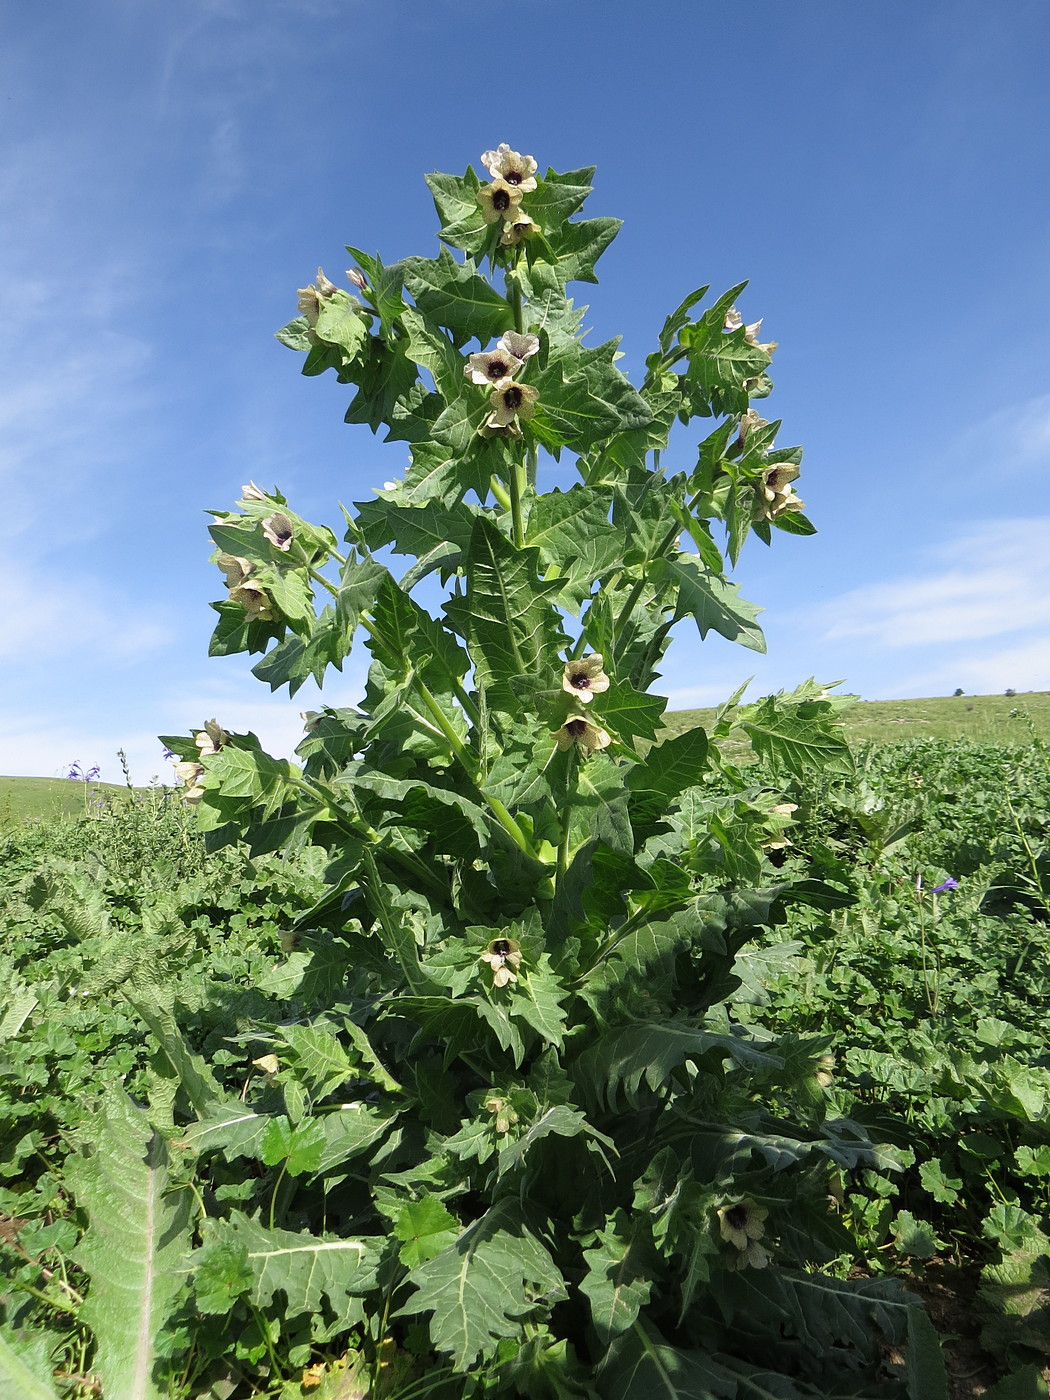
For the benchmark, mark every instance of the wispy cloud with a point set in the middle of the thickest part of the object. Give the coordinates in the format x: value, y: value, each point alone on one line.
x: 60, y: 618
x: 987, y: 582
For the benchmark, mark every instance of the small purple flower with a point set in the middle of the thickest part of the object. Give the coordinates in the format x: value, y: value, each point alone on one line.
x: 949, y: 884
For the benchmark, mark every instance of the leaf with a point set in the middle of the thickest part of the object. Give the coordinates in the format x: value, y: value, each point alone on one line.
x: 925, y: 1373
x: 572, y: 532
x: 648, y: 1051
x: 19, y: 1006
x: 713, y: 603
x: 641, y: 1367
x: 561, y: 1120
x: 1024, y: 1384
x: 453, y: 295
x: 477, y: 1289
x: 621, y: 1271
x: 426, y: 1228
x: 298, y: 1147
x: 510, y: 626
x: 307, y: 1269
x: 17, y: 1381
x: 631, y: 713
x: 799, y: 744
x: 134, y: 1248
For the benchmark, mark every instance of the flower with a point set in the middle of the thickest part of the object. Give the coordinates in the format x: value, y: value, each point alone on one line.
x: 510, y: 166
x: 514, y: 230
x: 310, y: 297
x: 191, y: 773
x: 212, y: 738
x: 254, y: 600
x: 749, y: 422
x: 491, y: 366
x: 511, y: 400
x: 949, y: 884
x: 503, y: 955
x: 740, y: 1225
x: 824, y: 1073
x: 775, y: 496
x: 585, y: 677
x: 251, y: 492
x: 278, y: 529
x: 523, y: 347
x: 357, y: 278
x: 269, y: 1064
x: 499, y: 201
x: 751, y: 336
x: 582, y: 731
x: 733, y: 320
x: 235, y: 568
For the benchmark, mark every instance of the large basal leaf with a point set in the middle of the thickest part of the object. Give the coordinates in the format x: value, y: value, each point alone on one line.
x: 17, y: 1380
x: 308, y: 1270
x: 647, y: 1052
x: 134, y: 1249
x: 639, y: 1366
x: 478, y: 1288
x: 621, y: 1270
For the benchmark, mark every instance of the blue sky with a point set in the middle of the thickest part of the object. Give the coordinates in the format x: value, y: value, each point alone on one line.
x: 170, y: 175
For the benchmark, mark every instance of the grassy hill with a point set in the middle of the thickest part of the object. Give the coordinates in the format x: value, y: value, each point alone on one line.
x: 989, y: 719
x: 31, y: 799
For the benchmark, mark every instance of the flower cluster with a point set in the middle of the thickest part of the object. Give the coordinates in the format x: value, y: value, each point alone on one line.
x: 512, y: 176
x: 510, y: 400
x: 775, y: 496
x: 583, y: 679
x: 190, y: 771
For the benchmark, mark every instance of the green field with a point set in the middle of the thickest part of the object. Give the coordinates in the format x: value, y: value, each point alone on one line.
x: 986, y: 719
x: 45, y: 799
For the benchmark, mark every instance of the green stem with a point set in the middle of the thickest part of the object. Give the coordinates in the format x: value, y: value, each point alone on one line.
x: 514, y: 296
x: 532, y: 461
x: 500, y: 492
x: 570, y: 792
x: 518, y: 480
x: 318, y: 577
x: 276, y: 1188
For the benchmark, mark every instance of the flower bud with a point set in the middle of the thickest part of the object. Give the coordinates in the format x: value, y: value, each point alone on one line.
x: 357, y: 278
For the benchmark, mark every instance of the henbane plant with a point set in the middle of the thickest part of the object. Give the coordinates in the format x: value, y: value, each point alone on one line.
x: 568, y: 1168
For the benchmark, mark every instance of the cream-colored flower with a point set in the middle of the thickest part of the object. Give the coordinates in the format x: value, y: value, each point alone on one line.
x: 503, y: 955
x: 749, y: 422
x: 251, y: 492
x: 522, y: 347
x: 269, y: 1064
x: 741, y: 1224
x: 751, y: 336
x: 278, y: 529
x: 512, y: 400
x: 825, y: 1071
x: 309, y: 304
x: 324, y: 287
x: 491, y: 366
x: 775, y: 496
x: 188, y: 771
x: 582, y: 731
x: 733, y: 320
x: 235, y: 568
x: 212, y: 738
x: 754, y: 1256
x: 511, y: 166
x: 254, y: 600
x: 499, y: 201
x: 514, y: 230
x: 585, y: 677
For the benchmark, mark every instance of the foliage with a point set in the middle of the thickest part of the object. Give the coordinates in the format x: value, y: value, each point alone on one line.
x: 498, y: 1121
